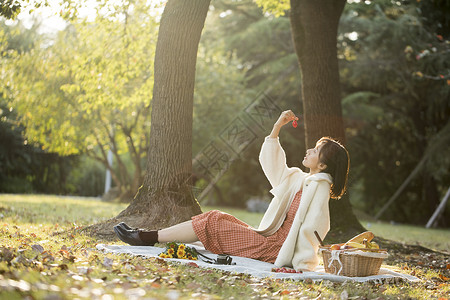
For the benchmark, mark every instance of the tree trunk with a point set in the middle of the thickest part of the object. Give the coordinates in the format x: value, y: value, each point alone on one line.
x: 314, y: 25
x: 166, y: 198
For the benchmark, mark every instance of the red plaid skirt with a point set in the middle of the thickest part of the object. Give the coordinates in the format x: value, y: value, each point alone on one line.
x: 221, y: 233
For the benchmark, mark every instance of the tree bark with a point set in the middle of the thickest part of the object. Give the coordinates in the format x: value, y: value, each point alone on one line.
x: 166, y: 198
x: 314, y: 25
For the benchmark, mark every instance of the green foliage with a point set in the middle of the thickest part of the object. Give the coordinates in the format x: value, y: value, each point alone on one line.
x: 395, y: 75
x: 277, y: 8
x: 24, y: 166
x: 87, y: 179
x: 261, y: 49
x: 90, y: 90
x: 9, y: 8
x: 220, y: 93
x: 14, y: 158
x: 435, y: 16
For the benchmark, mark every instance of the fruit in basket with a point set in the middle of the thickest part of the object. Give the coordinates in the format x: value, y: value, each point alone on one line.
x: 370, y: 245
x: 361, y: 241
x: 368, y: 235
x: 373, y: 245
x: 355, y: 245
x: 352, y: 245
x: 346, y: 247
x: 335, y: 247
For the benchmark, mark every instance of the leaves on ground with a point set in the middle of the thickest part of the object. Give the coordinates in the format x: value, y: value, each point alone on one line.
x: 56, y: 261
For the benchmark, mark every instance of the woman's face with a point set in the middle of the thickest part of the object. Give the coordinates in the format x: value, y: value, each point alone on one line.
x: 311, y: 160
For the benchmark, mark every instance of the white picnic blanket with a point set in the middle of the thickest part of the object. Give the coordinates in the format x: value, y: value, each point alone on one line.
x: 258, y: 268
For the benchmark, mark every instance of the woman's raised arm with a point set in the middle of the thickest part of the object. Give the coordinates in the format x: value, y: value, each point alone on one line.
x: 272, y: 157
x: 285, y: 117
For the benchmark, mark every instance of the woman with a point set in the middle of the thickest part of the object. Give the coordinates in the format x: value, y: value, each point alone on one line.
x: 285, y: 235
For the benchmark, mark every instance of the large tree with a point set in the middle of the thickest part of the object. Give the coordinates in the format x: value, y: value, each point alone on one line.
x: 314, y: 26
x: 166, y: 198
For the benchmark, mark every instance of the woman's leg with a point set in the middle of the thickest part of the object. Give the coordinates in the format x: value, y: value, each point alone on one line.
x: 182, y: 232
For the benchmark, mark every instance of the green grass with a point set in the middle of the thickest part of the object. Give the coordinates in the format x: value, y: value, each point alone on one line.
x: 436, y: 239
x: 71, y: 268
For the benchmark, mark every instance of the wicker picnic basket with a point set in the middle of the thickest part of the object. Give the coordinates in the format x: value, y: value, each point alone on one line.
x: 352, y: 263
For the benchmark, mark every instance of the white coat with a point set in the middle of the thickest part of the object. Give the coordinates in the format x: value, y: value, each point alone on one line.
x: 299, y: 250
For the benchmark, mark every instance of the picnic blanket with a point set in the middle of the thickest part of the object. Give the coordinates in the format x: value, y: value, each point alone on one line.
x: 258, y: 268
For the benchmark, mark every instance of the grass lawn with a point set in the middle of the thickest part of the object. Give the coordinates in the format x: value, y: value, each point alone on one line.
x: 436, y: 239
x: 43, y: 256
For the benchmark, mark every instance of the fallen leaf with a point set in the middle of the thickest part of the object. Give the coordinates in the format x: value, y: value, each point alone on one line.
x: 155, y: 285
x: 6, y: 254
x: 18, y: 260
x: 192, y: 264
x: 84, y: 270
x: 344, y: 295
x: 47, y: 257
x: 128, y: 266
x: 108, y: 262
x: 163, y: 270
x: 139, y: 268
x: 443, y: 277
x: 37, y: 248
x: 193, y: 286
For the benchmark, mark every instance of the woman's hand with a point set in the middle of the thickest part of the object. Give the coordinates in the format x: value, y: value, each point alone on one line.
x: 285, y: 117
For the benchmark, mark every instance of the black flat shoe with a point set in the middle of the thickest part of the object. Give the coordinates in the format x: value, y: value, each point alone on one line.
x: 125, y: 226
x: 130, y: 237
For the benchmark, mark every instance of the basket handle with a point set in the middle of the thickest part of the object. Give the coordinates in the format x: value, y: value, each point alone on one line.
x: 318, y: 238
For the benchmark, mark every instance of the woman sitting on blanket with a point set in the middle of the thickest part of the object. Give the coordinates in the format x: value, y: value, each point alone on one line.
x: 285, y: 235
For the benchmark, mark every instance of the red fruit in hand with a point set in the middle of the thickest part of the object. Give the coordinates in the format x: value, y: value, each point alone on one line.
x: 294, y: 124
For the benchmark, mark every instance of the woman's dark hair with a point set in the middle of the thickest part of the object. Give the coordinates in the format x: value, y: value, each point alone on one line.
x: 335, y: 156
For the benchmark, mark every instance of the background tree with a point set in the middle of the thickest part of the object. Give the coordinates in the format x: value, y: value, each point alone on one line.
x: 25, y: 166
x: 88, y: 92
